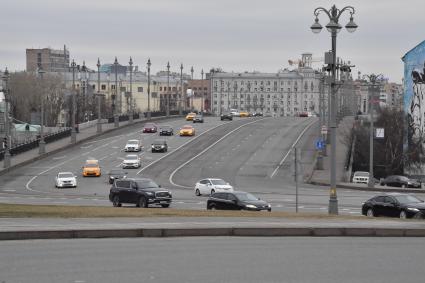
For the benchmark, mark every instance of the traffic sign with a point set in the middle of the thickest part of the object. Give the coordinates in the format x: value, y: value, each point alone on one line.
x: 324, y: 130
x: 320, y: 144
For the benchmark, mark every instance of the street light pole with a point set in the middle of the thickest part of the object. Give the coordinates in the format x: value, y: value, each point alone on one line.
x: 42, y: 143
x: 114, y: 100
x: 7, y: 143
x: 73, y: 129
x: 148, y: 116
x: 193, y: 93
x: 130, y: 121
x: 181, y: 91
x: 202, y: 91
x: 333, y: 27
x: 167, y: 113
x: 99, y: 119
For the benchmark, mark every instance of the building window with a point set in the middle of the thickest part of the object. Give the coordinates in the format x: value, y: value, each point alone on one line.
x: 268, y: 89
x: 140, y: 89
x: 122, y: 88
x: 103, y: 87
x: 160, y: 88
x: 93, y: 87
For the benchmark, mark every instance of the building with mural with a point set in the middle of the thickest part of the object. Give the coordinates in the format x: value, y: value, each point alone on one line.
x: 414, y: 98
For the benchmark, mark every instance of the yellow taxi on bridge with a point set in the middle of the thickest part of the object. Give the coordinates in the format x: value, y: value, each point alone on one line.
x: 91, y: 168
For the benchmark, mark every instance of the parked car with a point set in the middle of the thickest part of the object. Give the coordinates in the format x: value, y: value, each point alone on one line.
x: 150, y: 128
x: 198, y: 118
x: 133, y: 145
x: 190, y: 116
x: 226, y: 116
x: 394, y: 205
x: 131, y: 161
x: 237, y: 201
x: 166, y: 131
x: 243, y: 114
x: 257, y: 114
x: 187, y: 130
x: 141, y: 191
x: 400, y: 181
x: 361, y: 177
x: 91, y: 168
x: 65, y: 180
x: 234, y: 112
x: 209, y: 186
x: 116, y: 174
x: 159, y: 146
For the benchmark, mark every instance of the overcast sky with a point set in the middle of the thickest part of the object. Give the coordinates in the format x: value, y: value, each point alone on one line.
x: 236, y: 35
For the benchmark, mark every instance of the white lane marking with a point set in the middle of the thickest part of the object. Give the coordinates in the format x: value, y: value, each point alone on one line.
x: 103, y: 157
x: 9, y: 190
x: 88, y: 146
x: 95, y: 141
x: 59, y: 157
x: 291, y: 148
x: 205, y: 150
x: 189, y: 141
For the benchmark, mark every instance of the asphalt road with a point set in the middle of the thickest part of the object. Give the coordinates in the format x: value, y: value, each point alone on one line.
x: 253, y: 154
x: 214, y: 259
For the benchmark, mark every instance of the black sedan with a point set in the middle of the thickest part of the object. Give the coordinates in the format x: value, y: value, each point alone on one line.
x: 400, y: 181
x: 237, y: 201
x: 166, y: 131
x: 226, y: 116
x: 116, y: 174
x: 394, y: 205
x: 159, y: 146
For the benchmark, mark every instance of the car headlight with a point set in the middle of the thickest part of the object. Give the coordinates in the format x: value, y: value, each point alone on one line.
x: 149, y: 193
x: 268, y: 205
x: 250, y: 206
x: 162, y: 146
x: 413, y: 209
x: 153, y: 146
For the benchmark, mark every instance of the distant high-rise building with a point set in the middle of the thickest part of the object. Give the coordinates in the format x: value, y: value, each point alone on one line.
x: 49, y: 60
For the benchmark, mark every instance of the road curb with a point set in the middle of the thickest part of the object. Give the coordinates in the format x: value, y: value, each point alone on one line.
x: 374, y: 189
x: 224, y: 231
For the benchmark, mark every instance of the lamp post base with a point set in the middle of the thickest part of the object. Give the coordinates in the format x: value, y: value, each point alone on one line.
x: 99, y: 127
x: 42, y: 147
x: 148, y: 115
x: 130, y: 119
x: 73, y: 136
x: 167, y: 113
x: 319, y: 161
x: 6, y: 161
x: 333, y: 206
x: 116, y: 121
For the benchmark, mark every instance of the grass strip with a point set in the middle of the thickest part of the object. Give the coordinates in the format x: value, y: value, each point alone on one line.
x: 56, y: 211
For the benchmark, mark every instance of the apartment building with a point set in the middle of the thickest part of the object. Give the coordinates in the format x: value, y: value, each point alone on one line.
x: 48, y: 59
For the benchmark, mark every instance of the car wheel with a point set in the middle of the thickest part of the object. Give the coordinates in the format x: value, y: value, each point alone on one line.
x: 403, y: 214
x: 197, y: 192
x: 116, y: 201
x: 142, y: 202
x: 370, y: 213
x: 269, y: 210
x: 165, y: 205
x: 111, y: 181
x: 212, y: 191
x: 212, y: 207
x: 418, y: 216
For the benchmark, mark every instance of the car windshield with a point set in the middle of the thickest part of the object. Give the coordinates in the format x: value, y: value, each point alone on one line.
x: 361, y: 174
x: 159, y: 142
x: 91, y: 165
x: 133, y: 142
x: 131, y: 157
x: 145, y: 184
x: 404, y: 179
x: 149, y: 126
x: 218, y: 182
x: 245, y: 196
x: 407, y: 199
x: 65, y: 175
x: 187, y: 127
x: 166, y: 127
x: 116, y: 172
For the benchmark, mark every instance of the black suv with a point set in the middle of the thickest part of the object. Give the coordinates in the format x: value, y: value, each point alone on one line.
x: 166, y: 131
x: 159, y: 146
x: 226, y: 116
x: 237, y: 201
x: 141, y: 191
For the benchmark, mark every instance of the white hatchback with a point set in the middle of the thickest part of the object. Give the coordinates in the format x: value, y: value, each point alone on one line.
x: 209, y: 186
x: 65, y: 180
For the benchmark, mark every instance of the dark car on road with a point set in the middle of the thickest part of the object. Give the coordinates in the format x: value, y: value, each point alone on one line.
x: 116, y: 174
x: 400, y: 181
x: 166, y: 131
x: 226, y: 116
x: 236, y: 200
x: 257, y: 114
x: 150, y: 128
x: 394, y: 205
x: 159, y: 146
x: 199, y: 118
x: 140, y: 191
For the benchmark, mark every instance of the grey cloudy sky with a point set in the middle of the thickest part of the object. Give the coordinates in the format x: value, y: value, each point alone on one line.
x: 236, y: 35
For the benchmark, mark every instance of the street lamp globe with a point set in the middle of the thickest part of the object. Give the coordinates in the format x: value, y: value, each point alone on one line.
x: 332, y: 25
x: 351, y: 26
x: 316, y: 27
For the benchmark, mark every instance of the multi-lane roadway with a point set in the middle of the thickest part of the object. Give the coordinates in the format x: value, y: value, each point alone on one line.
x: 253, y: 154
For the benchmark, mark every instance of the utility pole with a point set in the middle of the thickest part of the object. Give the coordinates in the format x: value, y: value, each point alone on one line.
x: 181, y: 91
x: 167, y: 113
x: 130, y: 121
x: 99, y: 118
x: 6, y: 143
x: 42, y: 143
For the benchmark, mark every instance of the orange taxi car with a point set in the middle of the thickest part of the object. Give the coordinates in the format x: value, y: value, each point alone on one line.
x: 243, y: 114
x: 187, y: 130
x: 91, y: 168
x: 190, y: 116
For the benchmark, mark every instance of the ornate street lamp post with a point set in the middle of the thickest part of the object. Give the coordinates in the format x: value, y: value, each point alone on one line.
x: 167, y: 112
x: 202, y: 91
x: 148, y: 115
x: 73, y: 129
x: 42, y: 143
x: 7, y: 143
x: 193, y: 94
x: 130, y: 121
x: 333, y: 27
x: 181, y: 91
x: 114, y: 99
x: 99, y: 119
